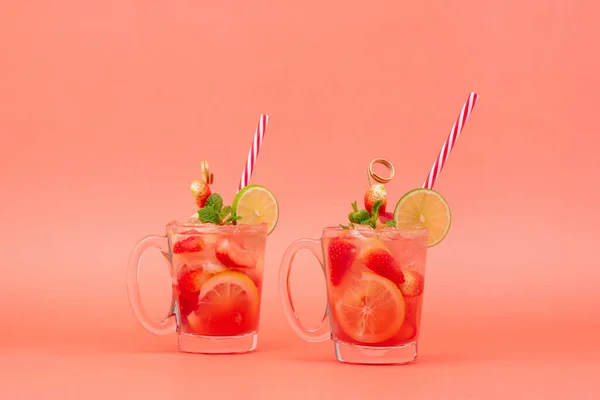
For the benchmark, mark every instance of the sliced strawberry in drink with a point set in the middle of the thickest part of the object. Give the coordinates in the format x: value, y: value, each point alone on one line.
x: 232, y: 255
x: 413, y: 283
x: 189, y: 283
x: 380, y: 261
x: 342, y: 253
x: 190, y: 244
x: 409, y: 328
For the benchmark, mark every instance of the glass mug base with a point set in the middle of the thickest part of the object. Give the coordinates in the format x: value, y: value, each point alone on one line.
x: 217, y: 344
x: 358, y: 354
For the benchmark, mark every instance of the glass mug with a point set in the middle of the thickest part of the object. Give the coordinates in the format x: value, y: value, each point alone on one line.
x: 375, y: 281
x: 217, y: 274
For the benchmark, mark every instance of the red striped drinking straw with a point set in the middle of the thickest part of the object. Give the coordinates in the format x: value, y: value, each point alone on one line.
x: 459, y: 124
x: 259, y: 135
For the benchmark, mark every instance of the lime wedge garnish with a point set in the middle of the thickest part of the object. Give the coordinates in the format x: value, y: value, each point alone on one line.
x: 424, y: 208
x: 256, y: 205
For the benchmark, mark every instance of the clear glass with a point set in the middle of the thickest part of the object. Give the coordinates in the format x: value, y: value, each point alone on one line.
x: 217, y: 274
x: 375, y: 283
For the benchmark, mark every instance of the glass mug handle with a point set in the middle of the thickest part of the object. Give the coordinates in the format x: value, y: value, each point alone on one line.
x: 166, y: 326
x: 322, y: 332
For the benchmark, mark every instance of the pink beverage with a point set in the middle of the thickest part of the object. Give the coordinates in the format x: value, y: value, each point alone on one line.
x: 374, y: 267
x: 218, y: 274
x: 216, y: 260
x: 375, y: 282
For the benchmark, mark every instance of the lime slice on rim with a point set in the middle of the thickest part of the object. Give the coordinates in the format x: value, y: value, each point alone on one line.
x: 256, y: 205
x: 424, y: 208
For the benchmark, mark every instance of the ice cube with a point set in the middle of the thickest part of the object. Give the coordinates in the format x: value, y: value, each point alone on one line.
x: 362, y: 232
x: 389, y: 233
x: 212, y: 268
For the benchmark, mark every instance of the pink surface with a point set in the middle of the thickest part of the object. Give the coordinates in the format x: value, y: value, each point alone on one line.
x: 107, y: 108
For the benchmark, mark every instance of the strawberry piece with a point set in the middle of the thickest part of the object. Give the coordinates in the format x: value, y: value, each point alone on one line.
x: 413, y: 284
x: 190, y: 244
x: 189, y: 283
x: 232, y: 255
x: 373, y: 194
x: 409, y: 328
x: 407, y: 332
x: 378, y: 260
x: 201, y: 192
x: 342, y: 253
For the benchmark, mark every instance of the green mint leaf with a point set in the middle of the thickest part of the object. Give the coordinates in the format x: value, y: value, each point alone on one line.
x: 225, y: 212
x: 390, y: 222
x: 359, y: 216
x: 368, y: 222
x: 208, y: 214
x: 351, y: 217
x: 375, y: 209
x: 344, y: 226
x: 354, y: 207
x: 215, y: 201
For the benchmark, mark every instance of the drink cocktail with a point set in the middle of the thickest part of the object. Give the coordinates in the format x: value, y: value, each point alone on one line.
x: 218, y: 274
x: 374, y: 267
x: 375, y: 282
x: 216, y: 261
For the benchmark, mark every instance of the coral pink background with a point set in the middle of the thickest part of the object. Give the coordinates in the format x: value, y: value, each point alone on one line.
x: 107, y: 107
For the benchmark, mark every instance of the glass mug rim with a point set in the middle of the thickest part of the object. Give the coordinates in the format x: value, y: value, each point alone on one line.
x: 412, y: 231
x: 179, y: 227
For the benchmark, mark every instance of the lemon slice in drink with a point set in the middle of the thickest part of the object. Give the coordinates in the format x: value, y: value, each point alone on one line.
x: 424, y: 208
x: 256, y: 205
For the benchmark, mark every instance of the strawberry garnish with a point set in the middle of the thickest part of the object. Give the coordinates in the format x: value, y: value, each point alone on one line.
x: 342, y: 253
x: 373, y: 194
x: 190, y: 244
x: 378, y: 260
x: 201, y: 192
x: 232, y: 255
x: 413, y: 284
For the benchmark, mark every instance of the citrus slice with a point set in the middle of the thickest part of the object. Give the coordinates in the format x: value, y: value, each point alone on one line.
x: 372, y: 310
x: 228, y: 305
x: 256, y: 205
x: 424, y: 208
x: 229, y: 287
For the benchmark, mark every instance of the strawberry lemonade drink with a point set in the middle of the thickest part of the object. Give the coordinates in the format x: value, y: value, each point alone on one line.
x: 218, y: 278
x: 375, y: 282
x: 216, y: 260
x: 374, y: 266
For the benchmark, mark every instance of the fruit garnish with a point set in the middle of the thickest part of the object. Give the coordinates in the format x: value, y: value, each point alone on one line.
x: 372, y: 310
x: 424, y: 208
x: 413, y: 283
x: 228, y: 305
x: 201, y: 192
x: 364, y: 217
x: 232, y: 255
x: 214, y: 212
x: 190, y: 244
x: 342, y: 253
x: 256, y: 204
x: 374, y: 194
x: 380, y: 261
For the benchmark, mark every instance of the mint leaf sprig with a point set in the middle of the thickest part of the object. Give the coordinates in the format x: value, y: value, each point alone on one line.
x: 214, y: 212
x: 363, y: 217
